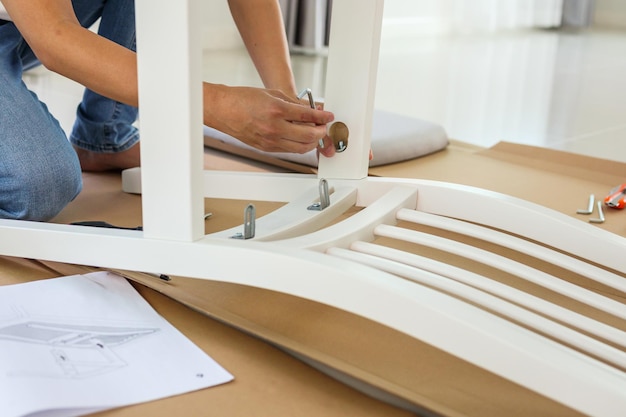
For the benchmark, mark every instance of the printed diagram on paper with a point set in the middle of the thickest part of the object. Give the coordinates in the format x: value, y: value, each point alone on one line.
x: 67, y: 349
x: 74, y: 345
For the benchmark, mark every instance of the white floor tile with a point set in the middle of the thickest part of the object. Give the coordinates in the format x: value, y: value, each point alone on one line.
x: 540, y: 88
x: 609, y: 144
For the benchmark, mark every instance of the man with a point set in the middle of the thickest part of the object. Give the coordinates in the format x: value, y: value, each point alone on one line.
x: 40, y: 170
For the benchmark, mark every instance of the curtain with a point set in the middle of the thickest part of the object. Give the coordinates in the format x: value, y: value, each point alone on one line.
x: 307, y: 23
x: 432, y: 17
x: 578, y: 13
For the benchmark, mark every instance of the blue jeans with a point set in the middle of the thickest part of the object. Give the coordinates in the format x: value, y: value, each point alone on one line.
x: 39, y: 171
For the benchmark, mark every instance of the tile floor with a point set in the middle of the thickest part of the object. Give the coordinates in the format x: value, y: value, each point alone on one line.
x: 557, y: 89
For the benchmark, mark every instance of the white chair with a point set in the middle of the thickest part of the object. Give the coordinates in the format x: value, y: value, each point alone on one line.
x: 292, y: 252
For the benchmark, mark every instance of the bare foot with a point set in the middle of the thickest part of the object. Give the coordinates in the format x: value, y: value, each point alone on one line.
x: 97, y: 162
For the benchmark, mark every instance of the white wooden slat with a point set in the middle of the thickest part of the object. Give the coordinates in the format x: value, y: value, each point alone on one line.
x: 512, y: 242
x: 518, y: 269
x: 283, y: 187
x: 513, y: 295
x: 532, y: 320
x: 504, y: 212
x: 359, y: 226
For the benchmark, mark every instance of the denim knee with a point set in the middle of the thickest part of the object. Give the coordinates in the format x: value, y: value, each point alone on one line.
x: 37, y: 193
x: 39, y: 170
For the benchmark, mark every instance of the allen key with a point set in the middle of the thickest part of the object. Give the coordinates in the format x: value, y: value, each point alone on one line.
x: 600, y: 218
x: 309, y: 93
x: 324, y: 197
x: 592, y: 199
x: 249, y: 223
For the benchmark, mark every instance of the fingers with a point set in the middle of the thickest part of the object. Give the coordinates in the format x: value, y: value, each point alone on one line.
x: 304, y: 142
x: 302, y: 138
x: 328, y: 150
x: 308, y: 115
x: 308, y: 127
x: 268, y: 120
x: 300, y: 113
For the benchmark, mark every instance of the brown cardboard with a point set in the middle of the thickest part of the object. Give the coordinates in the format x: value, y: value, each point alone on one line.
x: 388, y: 360
x: 267, y: 381
x: 558, y: 180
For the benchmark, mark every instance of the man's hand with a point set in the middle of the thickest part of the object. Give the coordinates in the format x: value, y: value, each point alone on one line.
x: 268, y: 120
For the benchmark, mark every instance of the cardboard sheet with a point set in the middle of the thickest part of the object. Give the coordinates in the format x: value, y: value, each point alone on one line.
x: 272, y: 382
x: 268, y: 382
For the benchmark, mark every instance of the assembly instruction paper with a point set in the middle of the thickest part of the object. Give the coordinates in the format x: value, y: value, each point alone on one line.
x: 79, y: 344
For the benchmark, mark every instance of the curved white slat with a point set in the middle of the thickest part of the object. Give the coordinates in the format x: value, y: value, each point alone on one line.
x: 539, y: 305
x: 503, y: 212
x: 359, y: 226
x: 472, y: 334
x: 294, y: 219
x: 518, y: 269
x: 532, y: 320
x: 512, y: 242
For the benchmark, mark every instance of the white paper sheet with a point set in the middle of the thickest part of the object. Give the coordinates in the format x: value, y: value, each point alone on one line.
x: 75, y: 345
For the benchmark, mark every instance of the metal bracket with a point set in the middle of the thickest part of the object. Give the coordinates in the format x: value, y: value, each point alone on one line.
x: 324, y: 197
x: 249, y: 222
